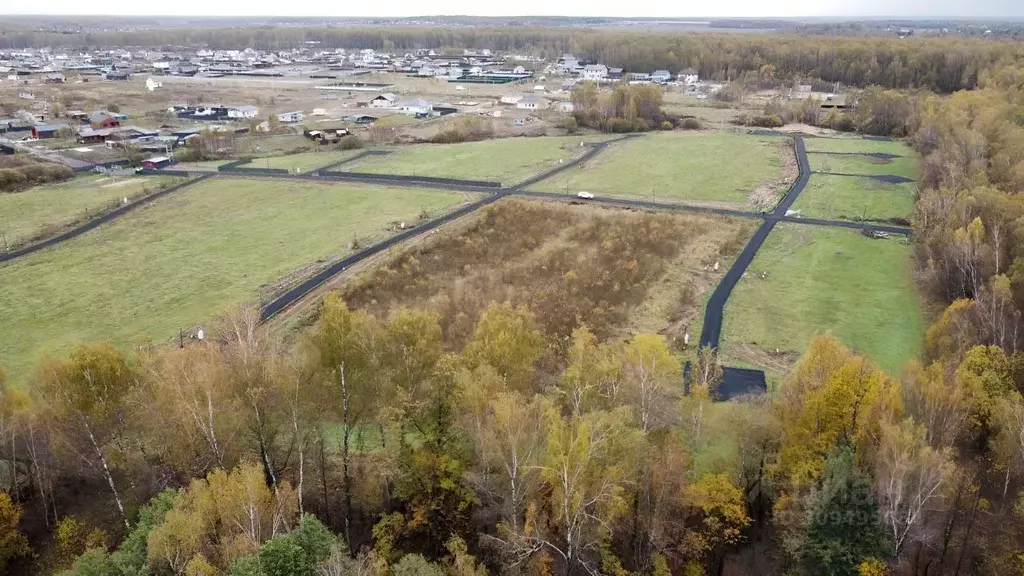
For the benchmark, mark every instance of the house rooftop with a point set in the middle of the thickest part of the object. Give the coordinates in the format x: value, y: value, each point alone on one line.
x: 50, y: 127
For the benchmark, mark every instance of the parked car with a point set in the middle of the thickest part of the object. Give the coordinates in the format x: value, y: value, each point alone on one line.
x: 585, y: 195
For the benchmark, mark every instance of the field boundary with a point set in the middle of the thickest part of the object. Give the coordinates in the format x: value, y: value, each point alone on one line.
x: 887, y: 178
x: 359, y: 156
x: 595, y: 149
x: 296, y: 293
x: 879, y: 155
x: 96, y: 222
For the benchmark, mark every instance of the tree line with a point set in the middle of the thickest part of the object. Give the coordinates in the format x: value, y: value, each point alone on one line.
x: 371, y: 446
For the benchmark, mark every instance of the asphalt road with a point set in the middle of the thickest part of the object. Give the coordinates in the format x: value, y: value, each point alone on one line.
x: 711, y: 333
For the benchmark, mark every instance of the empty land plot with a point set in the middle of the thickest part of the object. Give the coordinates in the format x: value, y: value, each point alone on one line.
x: 856, y: 199
x: 718, y: 167
x: 45, y: 210
x: 202, y: 165
x: 616, y: 271
x: 188, y: 257
x: 505, y: 160
x: 862, y: 164
x: 819, y: 280
x: 857, y: 146
x: 303, y: 162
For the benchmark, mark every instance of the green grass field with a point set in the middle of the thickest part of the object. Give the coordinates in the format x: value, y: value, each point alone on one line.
x: 857, y: 146
x: 824, y: 279
x: 44, y: 210
x: 684, y: 166
x: 845, y: 198
x: 303, y: 162
x: 188, y: 257
x: 505, y: 160
x: 855, y: 164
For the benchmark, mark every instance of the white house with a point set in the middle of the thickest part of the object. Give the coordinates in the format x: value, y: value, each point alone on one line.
x: 564, y: 107
x: 519, y: 70
x: 415, y: 106
x: 289, y: 117
x: 153, y: 84
x: 532, y: 103
x: 247, y: 111
x: 660, y: 76
x: 385, y: 100
x: 568, y: 63
x: 511, y: 99
x: 688, y: 76
x: 595, y: 72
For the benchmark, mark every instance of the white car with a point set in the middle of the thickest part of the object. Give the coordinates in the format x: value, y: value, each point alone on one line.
x: 585, y: 195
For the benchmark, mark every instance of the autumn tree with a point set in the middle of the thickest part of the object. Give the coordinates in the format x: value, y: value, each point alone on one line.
x: 431, y: 471
x: 84, y: 397
x: 584, y: 471
x: 343, y: 350
x: 508, y: 434
x: 593, y: 377
x: 225, y: 516
x: 652, y: 378
x: 12, y: 542
x: 716, y: 517
x: 912, y: 478
x: 508, y: 340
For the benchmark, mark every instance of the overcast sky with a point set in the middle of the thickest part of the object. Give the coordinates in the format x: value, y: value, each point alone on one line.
x: 667, y: 8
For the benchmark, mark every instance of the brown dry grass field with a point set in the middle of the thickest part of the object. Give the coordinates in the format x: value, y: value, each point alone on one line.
x: 617, y: 271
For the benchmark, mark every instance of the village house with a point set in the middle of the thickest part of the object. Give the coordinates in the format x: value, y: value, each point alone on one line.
x: 415, y: 106
x: 661, y: 76
x: 45, y: 131
x: 532, y: 103
x: 290, y: 117
x: 510, y: 99
x: 595, y: 72
x: 242, y: 112
x: 385, y: 100
x: 156, y: 162
x: 688, y: 76
x: 95, y: 136
x: 103, y: 120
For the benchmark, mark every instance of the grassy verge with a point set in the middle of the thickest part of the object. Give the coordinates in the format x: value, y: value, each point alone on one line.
x: 845, y: 198
x: 716, y: 166
x: 854, y: 164
x: 188, y: 257
x: 857, y: 146
x: 505, y: 160
x: 45, y: 210
x: 822, y: 280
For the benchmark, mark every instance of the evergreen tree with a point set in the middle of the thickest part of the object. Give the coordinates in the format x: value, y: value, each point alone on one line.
x: 843, y: 522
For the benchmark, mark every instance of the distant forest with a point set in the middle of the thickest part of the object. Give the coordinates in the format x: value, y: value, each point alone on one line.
x: 940, y: 64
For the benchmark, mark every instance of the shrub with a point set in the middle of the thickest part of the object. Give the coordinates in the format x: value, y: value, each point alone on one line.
x: 571, y: 125
x: 691, y: 124
x: 282, y: 556
x: 350, y: 142
x: 465, y: 130
x: 771, y: 121
x: 666, y: 125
